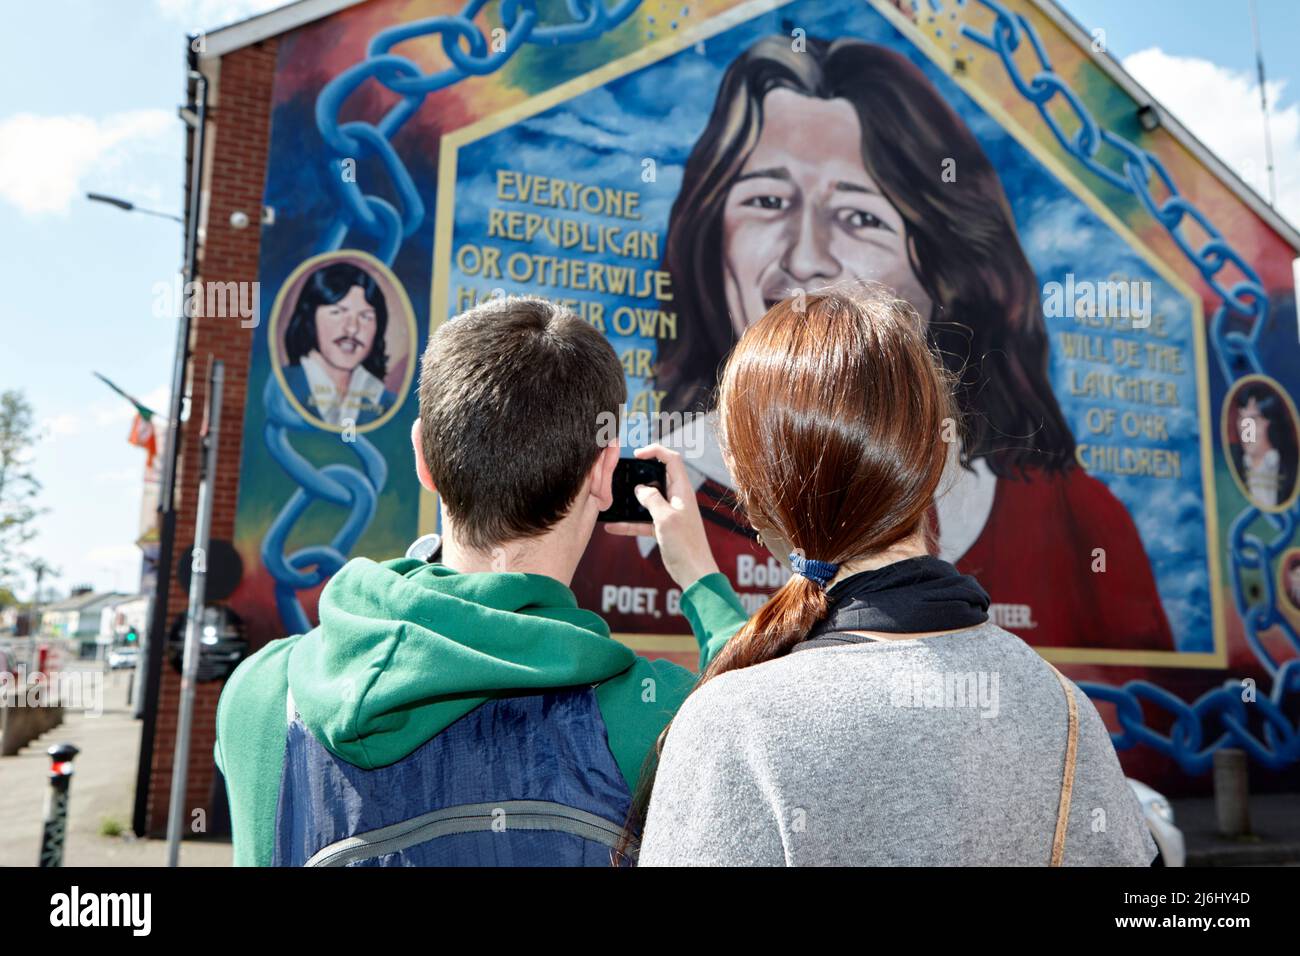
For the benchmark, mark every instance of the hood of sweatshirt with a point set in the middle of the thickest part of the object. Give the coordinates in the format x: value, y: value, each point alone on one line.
x: 405, y: 648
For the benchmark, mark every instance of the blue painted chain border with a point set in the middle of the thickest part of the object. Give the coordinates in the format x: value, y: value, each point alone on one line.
x: 1244, y: 303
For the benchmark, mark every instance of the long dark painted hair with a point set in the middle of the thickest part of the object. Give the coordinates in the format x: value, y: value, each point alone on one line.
x: 987, y: 320
x: 832, y: 421
x: 327, y: 286
x: 1281, y: 433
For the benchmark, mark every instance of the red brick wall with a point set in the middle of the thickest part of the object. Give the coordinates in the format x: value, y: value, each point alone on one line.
x: 239, y: 134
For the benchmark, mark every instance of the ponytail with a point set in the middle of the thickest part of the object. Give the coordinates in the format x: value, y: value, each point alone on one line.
x: 774, y: 629
x: 830, y: 414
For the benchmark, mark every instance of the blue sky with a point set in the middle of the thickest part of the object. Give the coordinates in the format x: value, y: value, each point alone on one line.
x: 88, y: 98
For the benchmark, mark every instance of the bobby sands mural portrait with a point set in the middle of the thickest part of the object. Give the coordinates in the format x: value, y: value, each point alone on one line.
x: 827, y: 165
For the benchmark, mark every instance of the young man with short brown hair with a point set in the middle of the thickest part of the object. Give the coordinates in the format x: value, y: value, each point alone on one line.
x: 465, y: 710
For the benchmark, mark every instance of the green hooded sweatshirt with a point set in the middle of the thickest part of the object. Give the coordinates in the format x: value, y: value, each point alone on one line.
x: 405, y: 648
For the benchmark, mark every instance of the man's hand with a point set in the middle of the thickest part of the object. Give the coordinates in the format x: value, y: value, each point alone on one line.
x: 677, y: 526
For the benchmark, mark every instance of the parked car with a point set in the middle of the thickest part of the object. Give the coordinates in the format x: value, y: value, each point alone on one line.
x: 1160, y: 819
x: 120, y: 658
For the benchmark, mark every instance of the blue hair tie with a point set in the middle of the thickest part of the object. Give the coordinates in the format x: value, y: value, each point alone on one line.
x: 818, y: 571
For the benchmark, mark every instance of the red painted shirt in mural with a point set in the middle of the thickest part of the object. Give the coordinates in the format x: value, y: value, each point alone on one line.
x: 1035, y: 556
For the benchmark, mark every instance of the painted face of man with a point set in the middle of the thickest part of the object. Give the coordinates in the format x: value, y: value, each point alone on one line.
x: 804, y: 213
x: 346, y: 330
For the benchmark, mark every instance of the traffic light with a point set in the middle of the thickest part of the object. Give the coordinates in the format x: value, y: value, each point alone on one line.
x: 131, y: 636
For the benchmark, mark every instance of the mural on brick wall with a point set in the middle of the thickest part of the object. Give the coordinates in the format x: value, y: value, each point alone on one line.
x: 1122, y: 327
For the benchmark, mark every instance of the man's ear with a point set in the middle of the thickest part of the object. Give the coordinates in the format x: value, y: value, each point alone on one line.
x: 421, y: 467
x: 602, y: 476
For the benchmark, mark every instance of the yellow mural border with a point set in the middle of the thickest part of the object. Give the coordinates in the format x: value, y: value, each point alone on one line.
x: 273, y: 344
x: 452, y: 142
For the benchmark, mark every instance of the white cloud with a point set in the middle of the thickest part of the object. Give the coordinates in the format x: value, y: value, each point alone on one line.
x: 45, y: 160
x: 210, y: 14
x: 116, y: 409
x: 127, y: 476
x: 126, y: 555
x: 1221, y: 108
x: 110, y: 412
x: 60, y: 426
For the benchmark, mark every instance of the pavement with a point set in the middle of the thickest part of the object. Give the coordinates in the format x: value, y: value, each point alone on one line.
x: 102, y: 793
x: 1274, y: 824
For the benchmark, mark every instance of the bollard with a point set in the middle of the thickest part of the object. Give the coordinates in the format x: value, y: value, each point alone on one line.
x: 1231, y: 792
x: 56, y: 805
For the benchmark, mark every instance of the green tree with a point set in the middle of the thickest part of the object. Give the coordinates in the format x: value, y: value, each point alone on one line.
x: 18, y: 486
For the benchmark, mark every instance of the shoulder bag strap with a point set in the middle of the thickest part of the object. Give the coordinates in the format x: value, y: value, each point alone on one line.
x: 1067, y: 780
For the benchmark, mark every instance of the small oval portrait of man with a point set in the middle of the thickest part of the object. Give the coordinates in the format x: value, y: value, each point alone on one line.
x: 344, y: 329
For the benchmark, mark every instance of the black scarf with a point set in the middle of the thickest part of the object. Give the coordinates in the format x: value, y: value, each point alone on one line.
x: 907, y: 597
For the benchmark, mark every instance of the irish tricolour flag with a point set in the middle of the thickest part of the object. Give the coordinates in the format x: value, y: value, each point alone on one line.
x: 142, y: 427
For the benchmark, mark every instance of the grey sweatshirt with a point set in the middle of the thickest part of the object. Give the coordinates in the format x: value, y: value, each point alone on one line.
x: 945, y: 750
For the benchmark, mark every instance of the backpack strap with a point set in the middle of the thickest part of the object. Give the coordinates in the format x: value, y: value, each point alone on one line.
x: 1067, y: 779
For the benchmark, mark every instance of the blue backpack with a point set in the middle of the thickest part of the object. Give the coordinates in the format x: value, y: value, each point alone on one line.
x: 518, y: 781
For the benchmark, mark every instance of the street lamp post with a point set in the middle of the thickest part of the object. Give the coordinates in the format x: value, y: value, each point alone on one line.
x: 128, y: 206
